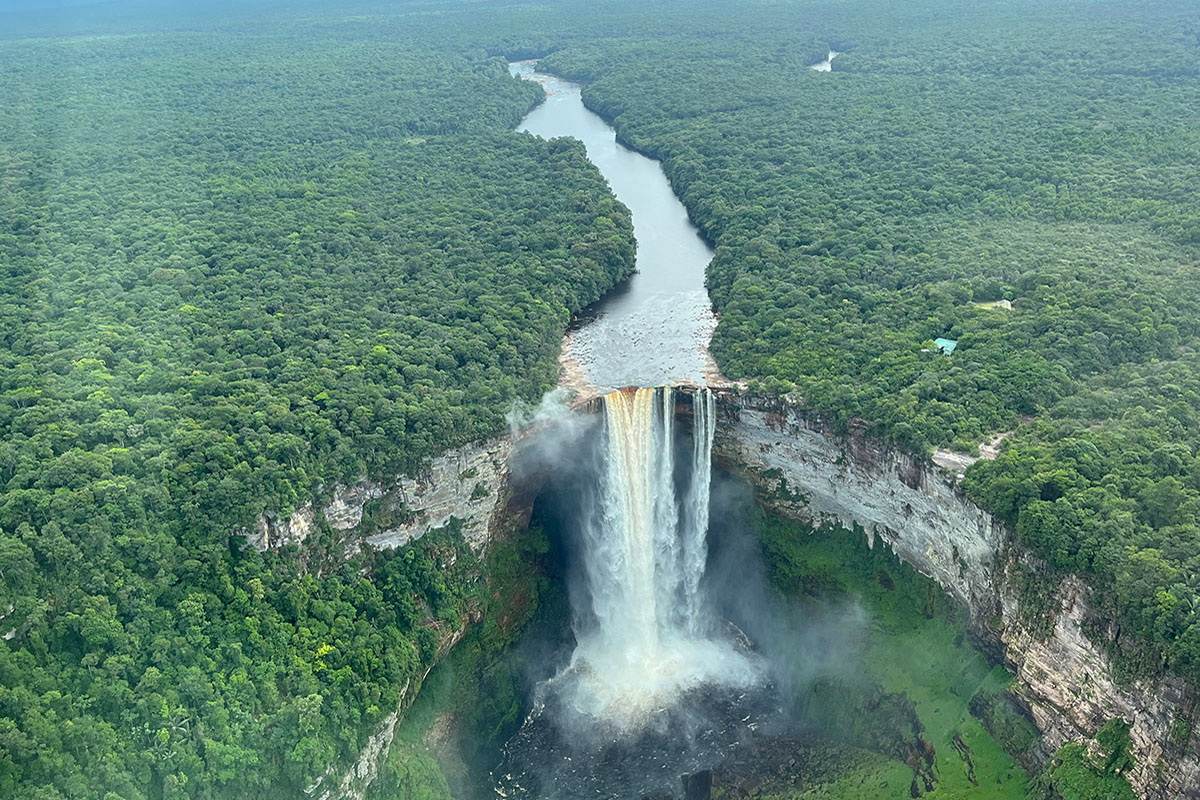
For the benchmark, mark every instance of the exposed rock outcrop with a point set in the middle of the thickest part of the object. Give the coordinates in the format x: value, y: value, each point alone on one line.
x: 469, y: 484
x: 345, y: 510
x: 806, y: 471
x: 1068, y: 683
x: 809, y: 474
x: 273, y: 532
x: 472, y: 485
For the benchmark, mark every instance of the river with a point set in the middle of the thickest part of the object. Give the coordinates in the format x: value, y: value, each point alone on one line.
x: 653, y: 330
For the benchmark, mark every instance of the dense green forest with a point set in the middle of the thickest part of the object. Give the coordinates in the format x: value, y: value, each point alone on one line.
x: 250, y: 250
x: 1040, y: 153
x: 240, y: 264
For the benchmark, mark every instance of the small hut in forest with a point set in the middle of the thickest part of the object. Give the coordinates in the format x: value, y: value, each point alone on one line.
x: 945, y: 346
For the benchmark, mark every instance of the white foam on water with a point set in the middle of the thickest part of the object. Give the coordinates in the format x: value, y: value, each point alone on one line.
x: 645, y: 555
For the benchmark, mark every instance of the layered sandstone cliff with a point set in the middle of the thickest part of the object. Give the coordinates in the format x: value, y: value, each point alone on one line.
x: 806, y: 471
x: 469, y: 484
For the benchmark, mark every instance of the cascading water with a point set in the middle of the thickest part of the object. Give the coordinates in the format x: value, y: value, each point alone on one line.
x: 645, y: 551
x: 655, y: 681
x: 657, y: 686
x: 695, y: 540
x: 639, y: 583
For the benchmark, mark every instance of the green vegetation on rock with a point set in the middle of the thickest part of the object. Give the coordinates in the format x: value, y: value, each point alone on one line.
x: 472, y: 702
x: 913, y: 683
x: 1075, y: 774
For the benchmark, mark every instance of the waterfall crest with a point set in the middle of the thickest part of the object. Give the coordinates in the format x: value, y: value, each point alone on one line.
x: 648, y: 636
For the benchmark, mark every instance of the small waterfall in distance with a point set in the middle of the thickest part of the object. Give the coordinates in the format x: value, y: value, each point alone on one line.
x: 650, y: 636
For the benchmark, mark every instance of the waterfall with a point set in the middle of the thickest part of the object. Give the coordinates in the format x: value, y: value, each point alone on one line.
x: 695, y: 544
x: 646, y: 555
x: 630, y: 536
x: 644, y: 546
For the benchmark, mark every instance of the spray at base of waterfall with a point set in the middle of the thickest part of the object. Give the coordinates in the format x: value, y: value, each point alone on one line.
x: 612, y: 692
x: 647, y: 636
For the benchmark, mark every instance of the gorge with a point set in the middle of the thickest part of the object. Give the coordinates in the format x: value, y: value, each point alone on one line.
x: 382, y: 418
x: 800, y: 468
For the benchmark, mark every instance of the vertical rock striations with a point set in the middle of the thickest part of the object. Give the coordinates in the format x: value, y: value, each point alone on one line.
x: 469, y: 484
x: 804, y: 470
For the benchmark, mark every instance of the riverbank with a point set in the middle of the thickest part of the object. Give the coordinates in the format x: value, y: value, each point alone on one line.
x: 653, y: 330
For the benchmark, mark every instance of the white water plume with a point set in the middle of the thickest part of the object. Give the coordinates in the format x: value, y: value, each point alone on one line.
x: 645, y: 555
x: 695, y: 541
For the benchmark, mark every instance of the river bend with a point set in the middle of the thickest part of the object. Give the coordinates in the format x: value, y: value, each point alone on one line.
x: 653, y: 330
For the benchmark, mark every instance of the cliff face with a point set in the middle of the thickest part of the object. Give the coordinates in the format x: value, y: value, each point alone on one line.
x: 807, y: 472
x: 472, y: 484
x: 804, y: 470
x: 469, y: 483
x: 353, y: 783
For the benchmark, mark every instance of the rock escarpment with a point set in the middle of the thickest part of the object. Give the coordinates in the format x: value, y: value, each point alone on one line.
x: 470, y: 484
x: 806, y: 471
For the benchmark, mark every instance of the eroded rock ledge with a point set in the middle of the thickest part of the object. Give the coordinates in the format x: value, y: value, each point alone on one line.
x: 470, y: 484
x: 806, y: 471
